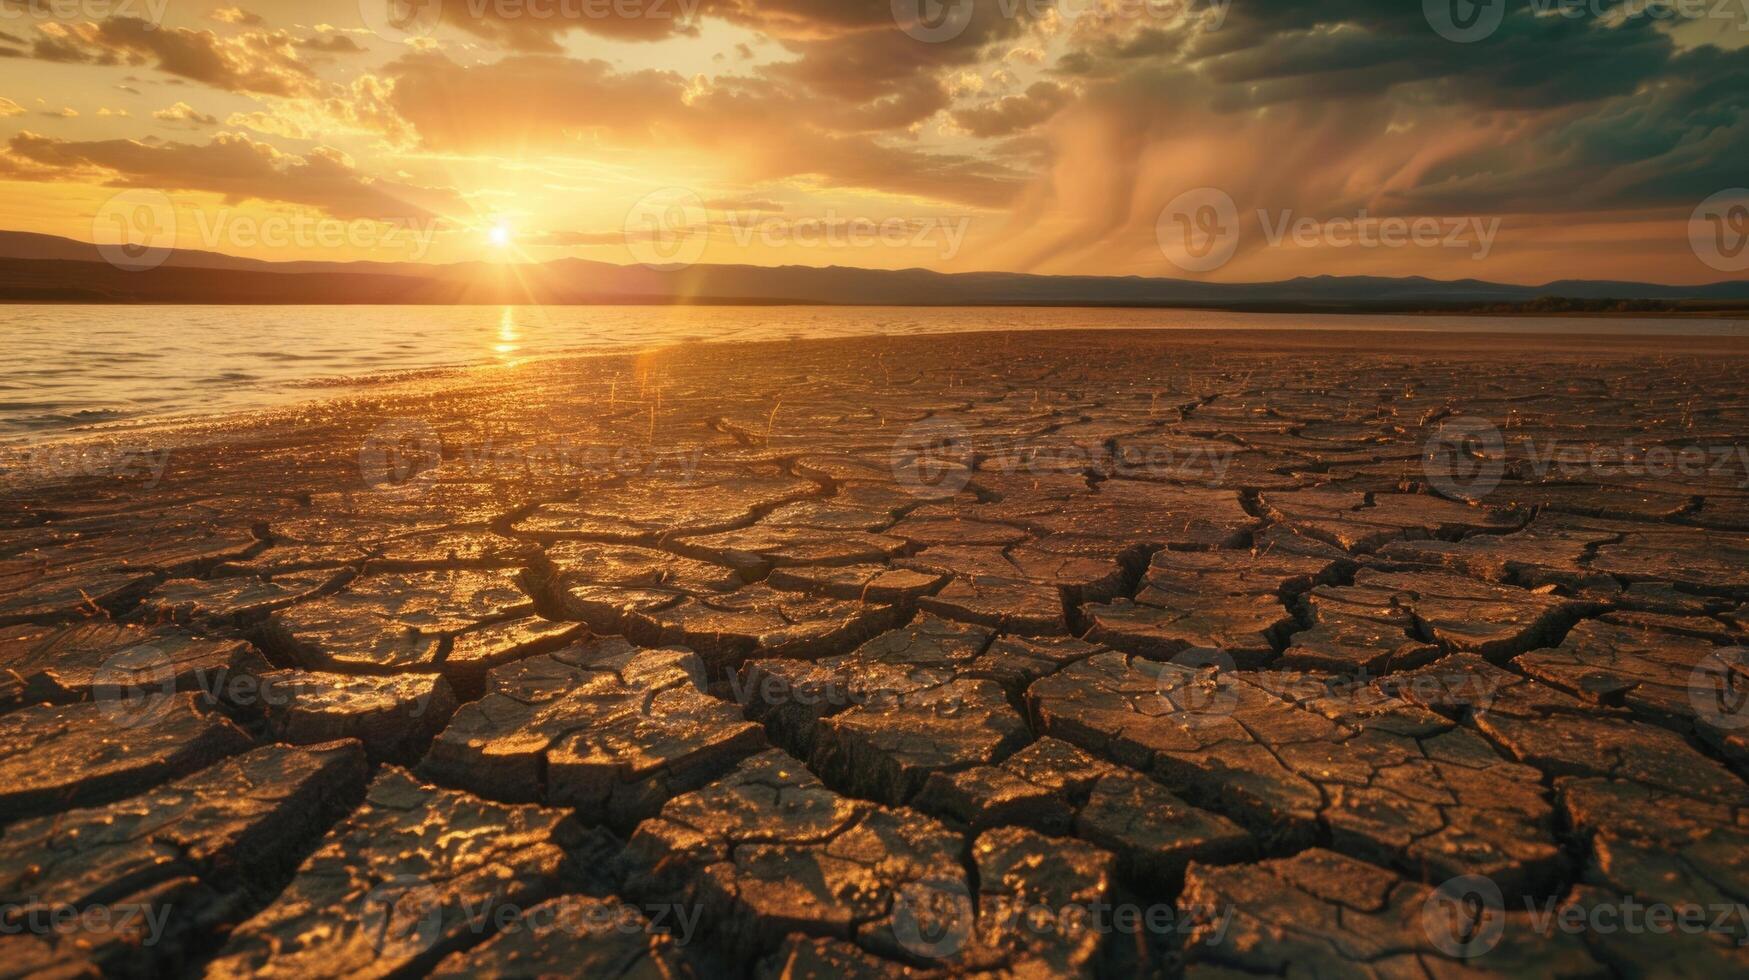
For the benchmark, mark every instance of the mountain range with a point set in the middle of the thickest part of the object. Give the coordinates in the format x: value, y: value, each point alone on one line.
x: 47, y: 268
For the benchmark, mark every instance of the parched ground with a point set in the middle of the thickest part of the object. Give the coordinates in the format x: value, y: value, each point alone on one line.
x: 1198, y: 654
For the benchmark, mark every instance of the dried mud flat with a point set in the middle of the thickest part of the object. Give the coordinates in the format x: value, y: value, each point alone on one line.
x: 1213, y: 655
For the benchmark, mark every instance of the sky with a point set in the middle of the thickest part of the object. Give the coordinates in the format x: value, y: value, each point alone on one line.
x: 1515, y: 140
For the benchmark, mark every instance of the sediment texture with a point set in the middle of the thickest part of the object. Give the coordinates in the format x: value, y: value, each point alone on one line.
x: 837, y: 658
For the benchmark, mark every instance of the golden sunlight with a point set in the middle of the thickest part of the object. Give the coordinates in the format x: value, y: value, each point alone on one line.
x: 890, y: 488
x: 508, y: 335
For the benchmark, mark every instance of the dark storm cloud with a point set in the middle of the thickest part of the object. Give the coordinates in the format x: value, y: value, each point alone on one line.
x: 1606, y: 109
x: 1273, y: 51
x: 1679, y: 141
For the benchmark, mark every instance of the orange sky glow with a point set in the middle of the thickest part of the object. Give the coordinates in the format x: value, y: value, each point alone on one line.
x: 1048, y: 136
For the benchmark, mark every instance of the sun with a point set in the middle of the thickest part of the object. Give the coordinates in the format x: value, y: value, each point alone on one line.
x: 499, y: 236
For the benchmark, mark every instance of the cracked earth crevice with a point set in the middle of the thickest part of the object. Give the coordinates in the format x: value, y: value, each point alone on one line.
x: 812, y: 640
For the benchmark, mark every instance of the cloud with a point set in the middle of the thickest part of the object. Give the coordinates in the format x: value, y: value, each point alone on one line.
x: 853, y: 54
x: 1014, y: 113
x: 184, y: 114
x: 1332, y: 110
x: 536, y: 26
x: 330, y: 42
x: 258, y: 62
x: 268, y: 123
x: 866, y: 72
x: 1081, y: 121
x: 234, y: 167
x: 756, y: 128
x: 1550, y: 112
x: 358, y: 108
x: 1273, y: 51
x: 10, y: 108
x: 235, y: 15
x: 529, y: 100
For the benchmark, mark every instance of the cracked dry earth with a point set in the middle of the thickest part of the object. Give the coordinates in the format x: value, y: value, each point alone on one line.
x: 826, y: 658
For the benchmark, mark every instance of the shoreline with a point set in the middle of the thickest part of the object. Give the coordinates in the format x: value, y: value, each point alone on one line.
x: 302, y: 395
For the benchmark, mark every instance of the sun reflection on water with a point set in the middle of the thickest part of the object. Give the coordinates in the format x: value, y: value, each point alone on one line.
x: 508, y: 335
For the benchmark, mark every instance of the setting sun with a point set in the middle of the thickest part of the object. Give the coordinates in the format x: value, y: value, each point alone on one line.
x: 499, y: 236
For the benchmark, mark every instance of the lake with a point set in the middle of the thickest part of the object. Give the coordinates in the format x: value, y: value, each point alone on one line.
x: 72, y: 368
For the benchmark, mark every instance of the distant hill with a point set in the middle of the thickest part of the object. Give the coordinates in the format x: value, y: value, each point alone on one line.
x: 46, y: 268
